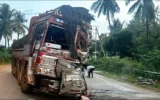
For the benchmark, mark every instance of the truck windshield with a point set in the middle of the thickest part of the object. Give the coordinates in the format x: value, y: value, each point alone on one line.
x: 56, y: 35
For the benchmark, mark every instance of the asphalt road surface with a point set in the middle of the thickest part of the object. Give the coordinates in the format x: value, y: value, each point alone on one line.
x: 101, y: 88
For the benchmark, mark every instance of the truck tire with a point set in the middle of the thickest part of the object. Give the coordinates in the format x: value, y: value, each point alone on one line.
x: 18, y: 77
x: 13, y: 69
x: 16, y: 68
x: 18, y: 72
x: 25, y: 87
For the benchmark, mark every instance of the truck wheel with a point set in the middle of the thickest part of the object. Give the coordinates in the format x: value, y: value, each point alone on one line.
x: 25, y: 87
x: 16, y: 68
x: 18, y: 72
x: 18, y: 77
x: 13, y: 67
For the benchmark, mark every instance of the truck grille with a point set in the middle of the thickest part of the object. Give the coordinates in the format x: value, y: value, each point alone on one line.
x: 48, y: 61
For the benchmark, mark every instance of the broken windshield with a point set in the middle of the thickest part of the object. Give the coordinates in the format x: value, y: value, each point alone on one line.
x: 56, y: 35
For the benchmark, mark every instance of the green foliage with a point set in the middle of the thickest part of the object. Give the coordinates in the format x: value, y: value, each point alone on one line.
x: 106, y: 7
x: 5, y: 55
x: 151, y: 60
x: 116, y: 65
x: 19, y: 26
x: 10, y: 21
x: 116, y: 26
x: 144, y: 9
x: 121, y: 42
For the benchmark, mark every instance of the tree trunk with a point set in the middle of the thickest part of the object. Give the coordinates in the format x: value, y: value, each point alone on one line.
x: 8, y: 42
x: 5, y: 42
x: 109, y: 22
x: 101, y: 43
x: 18, y: 36
x: 147, y: 29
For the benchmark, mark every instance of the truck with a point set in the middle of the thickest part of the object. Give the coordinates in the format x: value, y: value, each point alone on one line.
x: 42, y: 61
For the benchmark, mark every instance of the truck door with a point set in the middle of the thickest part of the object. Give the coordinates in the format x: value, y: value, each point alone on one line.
x: 35, y: 40
x: 37, y: 36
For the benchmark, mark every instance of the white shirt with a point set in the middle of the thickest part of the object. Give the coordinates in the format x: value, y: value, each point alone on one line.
x: 89, y: 67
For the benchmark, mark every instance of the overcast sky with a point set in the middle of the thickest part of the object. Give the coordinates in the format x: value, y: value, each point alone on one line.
x: 33, y: 8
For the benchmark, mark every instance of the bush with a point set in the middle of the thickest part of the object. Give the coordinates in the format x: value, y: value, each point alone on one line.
x: 116, y: 65
x: 5, y: 55
x: 151, y: 60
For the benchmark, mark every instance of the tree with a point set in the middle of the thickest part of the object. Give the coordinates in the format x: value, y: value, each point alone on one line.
x: 106, y: 7
x: 119, y: 43
x: 19, y: 26
x: 157, y: 14
x: 116, y: 26
x: 6, y: 22
x: 144, y: 11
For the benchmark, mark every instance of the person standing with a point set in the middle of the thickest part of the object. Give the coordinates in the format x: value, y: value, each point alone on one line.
x: 90, y: 70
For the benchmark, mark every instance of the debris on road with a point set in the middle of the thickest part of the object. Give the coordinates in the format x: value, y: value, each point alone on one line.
x: 141, y: 80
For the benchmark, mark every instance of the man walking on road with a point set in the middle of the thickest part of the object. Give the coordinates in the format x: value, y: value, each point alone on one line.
x: 90, y: 70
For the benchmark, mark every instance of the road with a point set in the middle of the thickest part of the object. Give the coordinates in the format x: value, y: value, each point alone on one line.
x: 102, y: 89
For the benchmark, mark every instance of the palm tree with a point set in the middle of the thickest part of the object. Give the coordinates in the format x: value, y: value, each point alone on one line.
x: 116, y: 26
x: 6, y: 22
x: 19, y: 26
x: 157, y: 14
x: 144, y: 11
x: 106, y: 7
x: 128, y: 1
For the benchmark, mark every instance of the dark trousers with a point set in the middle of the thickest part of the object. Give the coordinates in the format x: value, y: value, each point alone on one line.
x: 90, y: 72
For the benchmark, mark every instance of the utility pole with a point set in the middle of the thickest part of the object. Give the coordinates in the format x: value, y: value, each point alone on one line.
x: 95, y: 46
x: 100, y: 42
x: 97, y: 33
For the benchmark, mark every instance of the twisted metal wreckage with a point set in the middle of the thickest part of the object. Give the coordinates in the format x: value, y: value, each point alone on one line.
x: 38, y: 61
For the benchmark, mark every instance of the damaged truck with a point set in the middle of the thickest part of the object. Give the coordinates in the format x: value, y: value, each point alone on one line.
x: 52, y: 56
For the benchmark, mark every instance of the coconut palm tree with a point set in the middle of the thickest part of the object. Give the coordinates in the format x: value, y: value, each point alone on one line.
x: 6, y: 22
x: 116, y: 26
x: 106, y: 7
x: 19, y: 26
x: 144, y: 11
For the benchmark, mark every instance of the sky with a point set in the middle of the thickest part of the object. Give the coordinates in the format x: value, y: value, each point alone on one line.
x: 33, y: 8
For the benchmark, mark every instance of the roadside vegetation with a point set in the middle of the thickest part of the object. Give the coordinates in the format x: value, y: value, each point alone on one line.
x: 5, y: 55
x: 132, y: 50
x: 11, y: 22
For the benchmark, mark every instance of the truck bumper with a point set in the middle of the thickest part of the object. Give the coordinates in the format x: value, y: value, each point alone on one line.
x: 51, y: 86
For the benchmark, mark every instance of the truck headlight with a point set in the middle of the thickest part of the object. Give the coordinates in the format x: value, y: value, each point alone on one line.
x: 38, y: 70
x: 69, y: 66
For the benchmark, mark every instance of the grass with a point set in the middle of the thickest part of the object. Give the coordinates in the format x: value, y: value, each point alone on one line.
x: 131, y: 79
